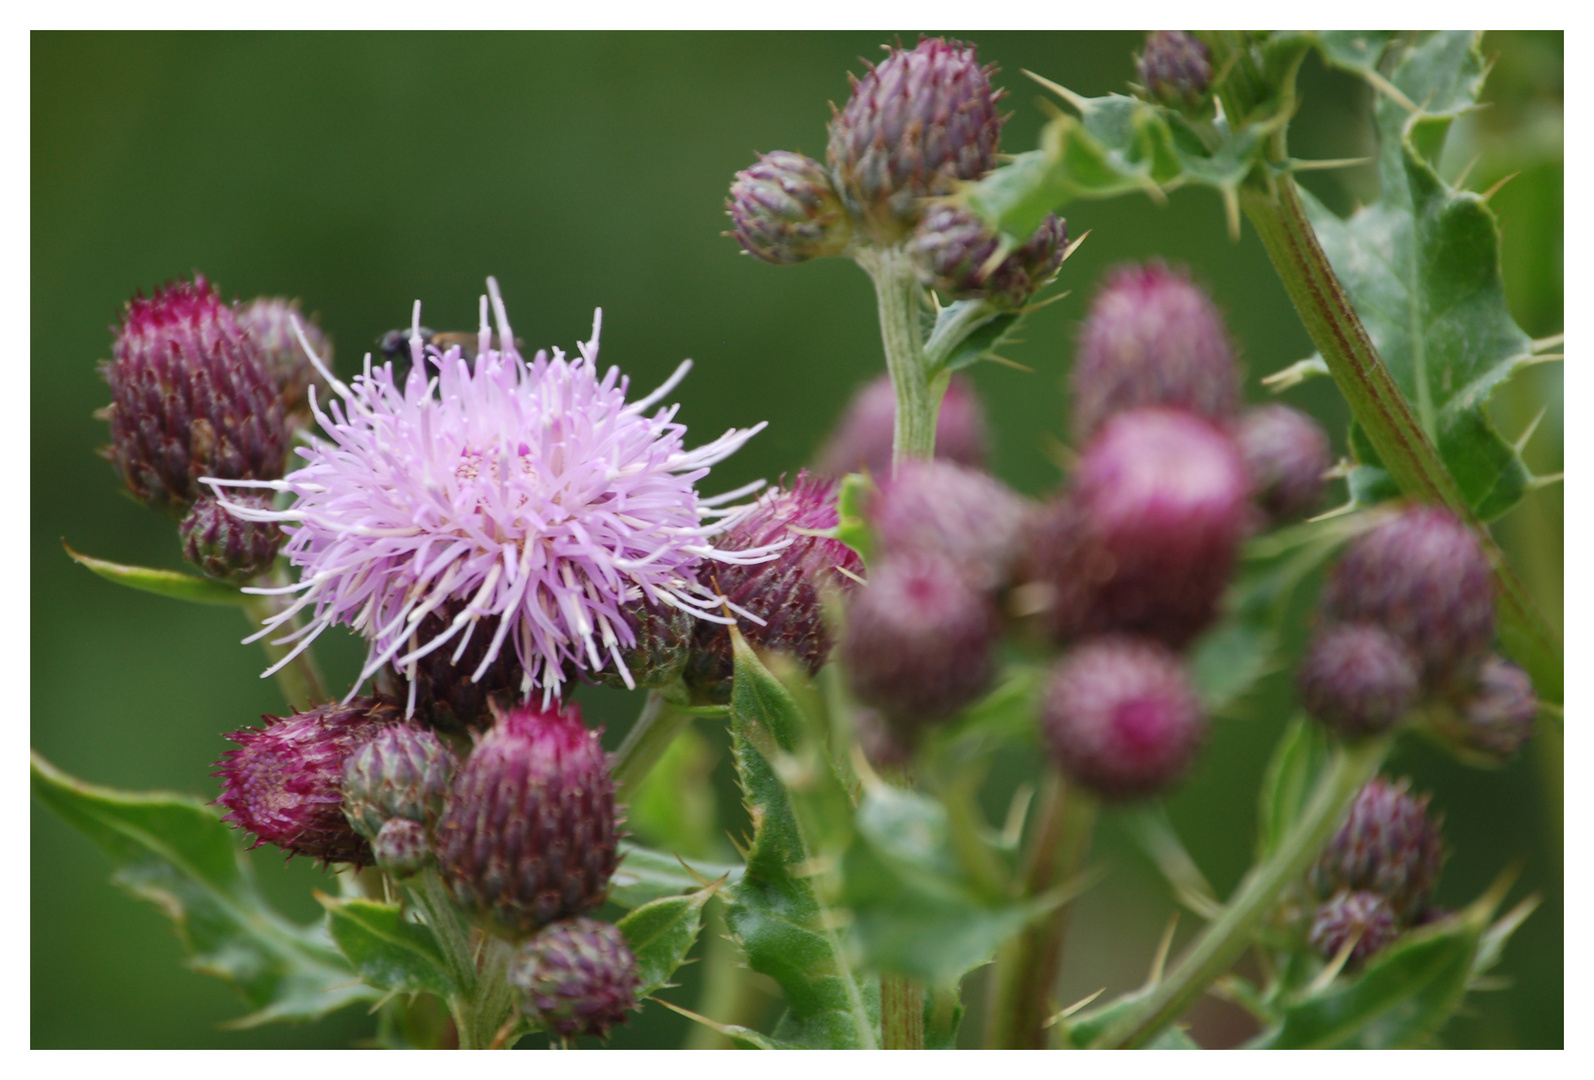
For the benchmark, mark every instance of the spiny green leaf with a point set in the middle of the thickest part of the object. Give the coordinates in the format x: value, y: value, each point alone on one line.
x: 660, y: 934
x: 984, y: 340
x: 1287, y: 784
x: 645, y: 875
x: 1081, y: 1031
x: 388, y: 950
x: 196, y: 590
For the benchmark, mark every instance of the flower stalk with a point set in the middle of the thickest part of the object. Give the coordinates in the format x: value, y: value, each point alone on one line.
x: 918, y: 388
x: 655, y: 729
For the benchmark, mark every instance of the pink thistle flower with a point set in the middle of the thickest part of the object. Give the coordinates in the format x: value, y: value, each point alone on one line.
x: 531, y: 492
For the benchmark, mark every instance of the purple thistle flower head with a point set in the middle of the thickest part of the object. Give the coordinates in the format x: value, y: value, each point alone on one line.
x: 1387, y: 844
x: 530, y: 493
x: 269, y: 320
x: 577, y: 977
x: 1365, y: 917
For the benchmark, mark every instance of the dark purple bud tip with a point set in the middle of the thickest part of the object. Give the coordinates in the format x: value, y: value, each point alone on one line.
x: 1422, y: 576
x: 227, y: 547
x: 659, y: 654
x: 1286, y: 454
x: 403, y: 771
x: 1153, y: 337
x: 268, y: 320
x: 1357, y: 679
x: 402, y: 848
x: 446, y: 696
x: 916, y: 124
x: 1387, y: 845
x: 1121, y: 718
x: 969, y: 516
x: 919, y: 640
x: 862, y: 439
x: 1175, y: 68
x: 1363, y: 917
x: 1497, y: 713
x: 528, y: 835
x: 190, y: 397
x: 284, y: 783
x: 576, y: 977
x: 953, y: 251
x: 783, y: 210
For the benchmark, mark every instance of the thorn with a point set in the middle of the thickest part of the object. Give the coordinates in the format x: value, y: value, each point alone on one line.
x: 1543, y: 358
x: 842, y: 570
x: 1338, y: 511
x: 1069, y: 250
x: 1545, y: 480
x: 1048, y: 302
x: 1049, y: 107
x: 1533, y: 426
x: 1160, y: 962
x: 504, y: 1033
x: 1466, y: 171
x: 1297, y: 165
x: 1498, y: 184
x: 1080, y: 103
x: 1005, y: 362
x: 1389, y: 90
x: 1335, y: 965
x: 1295, y: 374
x: 1548, y: 342
x: 1074, y: 1008
x: 1231, y: 210
x: 1017, y: 811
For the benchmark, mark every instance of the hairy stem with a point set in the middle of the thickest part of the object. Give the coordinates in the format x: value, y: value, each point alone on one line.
x: 919, y: 390
x: 483, y: 999
x: 300, y: 680
x: 901, y: 1013
x: 1228, y: 935
x: 655, y: 729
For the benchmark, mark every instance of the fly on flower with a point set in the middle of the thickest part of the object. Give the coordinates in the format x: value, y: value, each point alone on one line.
x: 530, y: 494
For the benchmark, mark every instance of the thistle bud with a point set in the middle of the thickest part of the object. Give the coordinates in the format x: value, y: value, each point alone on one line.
x: 1496, y: 714
x: 915, y: 125
x: 1357, y: 679
x: 1387, y: 845
x: 953, y: 248
x: 1286, y: 454
x: 1422, y: 576
x: 402, y: 771
x: 787, y: 592
x: 576, y: 977
x: 1175, y: 68
x: 190, y: 397
x: 1153, y: 337
x: 227, y: 547
x: 1121, y: 718
x: 862, y: 439
x: 268, y: 320
x: 920, y: 640
x: 284, y: 782
x: 969, y: 516
x: 783, y: 210
x: 1365, y: 917
x: 658, y: 656
x: 401, y: 848
x: 447, y: 695
x: 528, y: 835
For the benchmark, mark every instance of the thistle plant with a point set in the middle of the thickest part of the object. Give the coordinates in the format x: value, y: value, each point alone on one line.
x: 505, y: 531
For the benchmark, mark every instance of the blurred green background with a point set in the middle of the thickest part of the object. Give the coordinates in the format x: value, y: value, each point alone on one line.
x: 360, y: 172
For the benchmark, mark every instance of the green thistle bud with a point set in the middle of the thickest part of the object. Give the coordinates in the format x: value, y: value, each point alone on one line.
x: 404, y: 771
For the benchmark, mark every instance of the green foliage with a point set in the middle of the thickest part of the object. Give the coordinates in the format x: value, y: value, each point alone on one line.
x: 195, y: 590
x: 1080, y: 1033
x: 982, y: 341
x: 389, y: 951
x: 175, y: 851
x: 660, y: 934
x: 852, y: 528
x: 674, y: 807
x: 1297, y: 761
x: 645, y: 875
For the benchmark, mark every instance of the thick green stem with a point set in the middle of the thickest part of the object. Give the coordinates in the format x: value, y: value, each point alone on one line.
x: 483, y: 999
x: 897, y: 292
x: 655, y: 729
x: 1027, y: 967
x: 1227, y: 936
x: 300, y: 679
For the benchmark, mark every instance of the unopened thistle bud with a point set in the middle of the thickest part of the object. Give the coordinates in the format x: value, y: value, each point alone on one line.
x: 1387, y: 845
x: 663, y: 643
x: 971, y: 517
x: 1121, y: 718
x: 920, y: 640
x: 1365, y: 917
x: 784, y: 210
x: 1175, y: 68
x: 1286, y: 454
x: 269, y: 322
x: 284, y: 783
x: 1422, y: 576
x: 862, y: 439
x: 952, y: 250
x: 576, y: 977
x: 447, y: 695
x: 528, y: 835
x: 1357, y: 678
x: 227, y: 547
x: 1153, y: 337
x: 1495, y: 716
x: 922, y: 120
x: 403, y: 771
x: 401, y: 848
x: 190, y: 398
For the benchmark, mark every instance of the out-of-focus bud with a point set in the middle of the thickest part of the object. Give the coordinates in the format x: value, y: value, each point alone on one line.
x: 1365, y: 917
x: 227, y: 547
x: 446, y: 696
x: 1286, y: 454
x: 401, y: 848
x: 922, y: 120
x: 953, y: 247
x: 1121, y: 718
x: 1422, y: 576
x: 576, y: 977
x: 1387, y: 845
x: 528, y: 835
x: 190, y: 397
x: 1495, y: 716
x: 969, y: 516
x: 268, y: 320
x: 862, y: 439
x: 402, y: 771
x: 1175, y: 68
x: 882, y: 744
x: 783, y: 210
x: 663, y: 643
x: 1357, y: 678
x: 284, y: 783
x: 919, y: 640
x: 1153, y: 337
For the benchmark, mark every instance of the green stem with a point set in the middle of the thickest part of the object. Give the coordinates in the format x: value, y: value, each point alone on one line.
x: 1227, y: 936
x: 1027, y: 967
x: 300, y: 680
x: 919, y: 390
x: 655, y: 729
x: 483, y: 999
x: 901, y: 1013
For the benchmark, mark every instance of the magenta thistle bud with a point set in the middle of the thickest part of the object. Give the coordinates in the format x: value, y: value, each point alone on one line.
x: 1387, y: 845
x: 1357, y: 678
x: 1175, y: 67
x: 401, y: 848
x: 576, y: 977
x: 1496, y: 715
x: 1364, y: 917
x: 529, y: 831
x: 269, y: 320
x: 920, y: 639
x: 1153, y: 337
x: 1422, y: 576
x: 922, y: 120
x: 1286, y: 454
x: 784, y: 210
x: 190, y: 398
x: 402, y: 771
x: 284, y: 783
x: 663, y: 643
x: 953, y: 249
x: 862, y: 439
x: 1121, y: 718
x: 786, y: 593
x: 969, y: 516
x: 227, y: 547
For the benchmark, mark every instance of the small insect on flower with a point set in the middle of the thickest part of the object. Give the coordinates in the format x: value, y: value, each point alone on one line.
x: 530, y: 493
